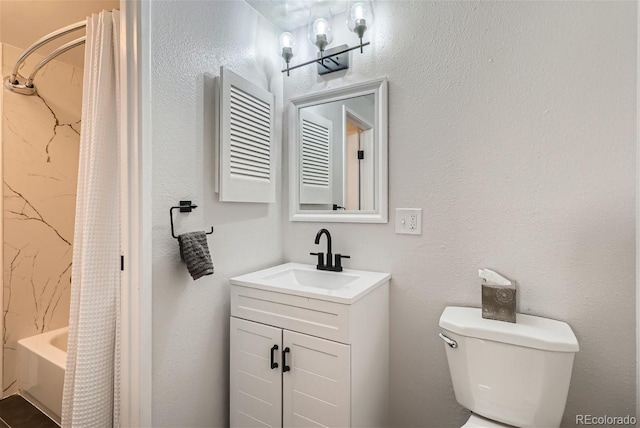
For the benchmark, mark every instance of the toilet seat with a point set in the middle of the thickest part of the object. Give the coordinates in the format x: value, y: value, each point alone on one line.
x: 477, y: 421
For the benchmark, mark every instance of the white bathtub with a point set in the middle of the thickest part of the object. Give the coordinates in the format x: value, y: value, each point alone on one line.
x: 41, y: 364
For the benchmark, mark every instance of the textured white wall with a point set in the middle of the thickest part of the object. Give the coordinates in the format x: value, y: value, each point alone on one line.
x: 512, y: 124
x: 191, y: 39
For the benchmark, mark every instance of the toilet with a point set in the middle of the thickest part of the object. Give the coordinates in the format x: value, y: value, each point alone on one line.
x: 509, y: 374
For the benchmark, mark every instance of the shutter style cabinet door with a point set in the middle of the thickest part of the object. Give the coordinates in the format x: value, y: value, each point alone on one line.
x: 316, y: 184
x: 317, y: 388
x: 255, y: 388
x: 246, y: 140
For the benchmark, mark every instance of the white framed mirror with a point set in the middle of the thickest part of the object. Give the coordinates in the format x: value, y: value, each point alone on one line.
x: 338, y: 155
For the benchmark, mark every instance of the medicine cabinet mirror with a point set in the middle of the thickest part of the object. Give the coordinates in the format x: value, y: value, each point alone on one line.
x: 338, y: 155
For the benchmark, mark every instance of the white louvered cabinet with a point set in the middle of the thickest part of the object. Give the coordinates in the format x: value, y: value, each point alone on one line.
x: 244, y: 139
x: 302, y: 362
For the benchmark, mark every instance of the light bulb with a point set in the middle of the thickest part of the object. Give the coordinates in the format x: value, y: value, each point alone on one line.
x: 286, y: 40
x: 320, y: 31
x: 357, y: 11
x: 320, y: 26
x: 360, y: 17
x: 287, y: 44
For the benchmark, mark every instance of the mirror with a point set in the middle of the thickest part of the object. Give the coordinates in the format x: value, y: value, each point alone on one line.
x: 338, y: 155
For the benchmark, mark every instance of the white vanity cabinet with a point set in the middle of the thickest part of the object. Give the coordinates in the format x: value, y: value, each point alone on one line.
x: 303, y: 359
x: 314, y: 389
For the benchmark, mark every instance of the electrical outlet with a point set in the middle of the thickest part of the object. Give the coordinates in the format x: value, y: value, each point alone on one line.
x: 409, y: 221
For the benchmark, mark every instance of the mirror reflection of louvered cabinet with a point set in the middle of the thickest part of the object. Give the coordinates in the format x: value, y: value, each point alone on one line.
x: 244, y: 140
x: 316, y: 184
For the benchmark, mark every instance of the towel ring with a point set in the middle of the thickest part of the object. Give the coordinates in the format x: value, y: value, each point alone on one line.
x: 184, y: 207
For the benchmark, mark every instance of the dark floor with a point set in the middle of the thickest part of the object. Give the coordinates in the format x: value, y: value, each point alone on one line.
x: 16, y: 412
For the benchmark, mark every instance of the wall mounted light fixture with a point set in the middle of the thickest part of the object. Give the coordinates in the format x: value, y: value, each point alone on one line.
x: 320, y: 33
x: 359, y: 20
x: 287, y: 45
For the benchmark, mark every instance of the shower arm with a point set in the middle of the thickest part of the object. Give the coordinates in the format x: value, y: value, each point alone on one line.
x: 62, y: 49
x: 42, y: 41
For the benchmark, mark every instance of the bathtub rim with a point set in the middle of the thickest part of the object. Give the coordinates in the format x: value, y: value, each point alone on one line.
x: 40, y: 344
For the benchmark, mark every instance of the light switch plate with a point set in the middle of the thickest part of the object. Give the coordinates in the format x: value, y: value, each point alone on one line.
x: 409, y: 221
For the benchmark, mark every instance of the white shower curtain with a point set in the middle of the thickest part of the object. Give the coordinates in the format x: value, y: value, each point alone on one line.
x: 91, y: 385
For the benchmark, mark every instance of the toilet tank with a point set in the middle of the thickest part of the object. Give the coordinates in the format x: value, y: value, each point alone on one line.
x: 517, y: 374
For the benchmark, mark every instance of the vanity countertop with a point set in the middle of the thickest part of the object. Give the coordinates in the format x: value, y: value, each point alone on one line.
x: 304, y: 280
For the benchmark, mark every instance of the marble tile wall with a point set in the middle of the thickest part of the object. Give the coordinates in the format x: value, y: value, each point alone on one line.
x: 41, y: 136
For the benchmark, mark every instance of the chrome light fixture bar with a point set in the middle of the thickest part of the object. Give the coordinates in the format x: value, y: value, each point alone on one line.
x: 359, y: 20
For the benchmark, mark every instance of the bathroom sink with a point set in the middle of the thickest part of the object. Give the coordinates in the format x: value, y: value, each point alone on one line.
x: 311, y: 278
x: 305, y: 280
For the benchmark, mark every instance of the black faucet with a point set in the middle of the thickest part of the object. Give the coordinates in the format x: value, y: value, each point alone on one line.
x: 318, y: 236
x: 337, y: 267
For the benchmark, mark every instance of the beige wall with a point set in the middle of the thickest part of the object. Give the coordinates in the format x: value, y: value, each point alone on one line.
x: 22, y: 22
x: 41, y: 136
x: 40, y: 143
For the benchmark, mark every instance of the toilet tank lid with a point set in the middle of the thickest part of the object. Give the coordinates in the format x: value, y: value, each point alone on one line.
x: 528, y: 331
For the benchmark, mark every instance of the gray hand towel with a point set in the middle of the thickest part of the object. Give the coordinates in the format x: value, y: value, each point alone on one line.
x: 195, y: 253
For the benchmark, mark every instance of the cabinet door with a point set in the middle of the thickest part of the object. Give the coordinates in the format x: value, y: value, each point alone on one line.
x: 316, y: 178
x: 255, y: 388
x: 317, y: 388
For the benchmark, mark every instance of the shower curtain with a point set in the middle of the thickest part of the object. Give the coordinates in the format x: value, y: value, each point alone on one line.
x: 91, y: 385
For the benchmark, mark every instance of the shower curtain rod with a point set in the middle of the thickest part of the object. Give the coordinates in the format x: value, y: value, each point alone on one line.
x: 28, y: 88
x: 62, y: 49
